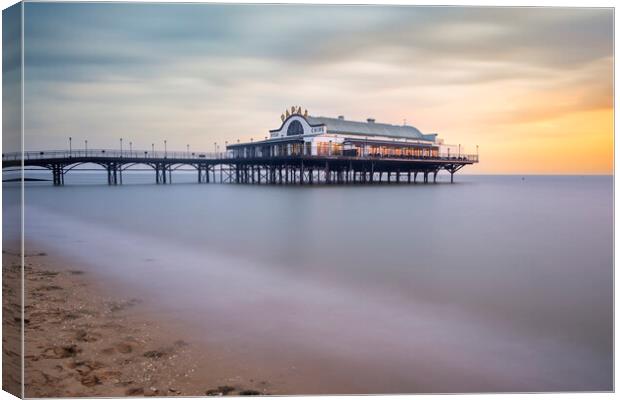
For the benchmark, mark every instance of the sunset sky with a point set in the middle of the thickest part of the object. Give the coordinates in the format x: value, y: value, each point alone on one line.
x: 531, y: 86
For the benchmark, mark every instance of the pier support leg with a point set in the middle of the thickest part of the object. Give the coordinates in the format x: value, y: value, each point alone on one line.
x: 327, y: 173
x: 435, y: 177
x: 372, y: 172
x: 57, y: 175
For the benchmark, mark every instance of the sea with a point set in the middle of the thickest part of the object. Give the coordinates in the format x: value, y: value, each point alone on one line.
x: 491, y: 284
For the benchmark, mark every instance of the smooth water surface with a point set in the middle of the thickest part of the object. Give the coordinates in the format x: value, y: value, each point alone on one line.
x: 495, y: 283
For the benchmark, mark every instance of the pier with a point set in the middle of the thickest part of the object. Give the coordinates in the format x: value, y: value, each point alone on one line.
x: 282, y: 169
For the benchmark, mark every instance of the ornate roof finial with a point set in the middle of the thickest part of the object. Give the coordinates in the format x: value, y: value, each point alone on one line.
x: 305, y: 113
x: 287, y: 114
x: 282, y: 117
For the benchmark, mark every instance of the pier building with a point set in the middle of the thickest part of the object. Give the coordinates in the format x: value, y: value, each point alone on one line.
x: 300, y: 134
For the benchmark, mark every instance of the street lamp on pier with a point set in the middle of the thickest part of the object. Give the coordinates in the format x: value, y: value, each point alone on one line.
x: 165, y: 148
x: 70, y: 147
x: 86, y: 146
x: 121, y: 147
x: 188, y: 151
x: 130, y: 148
x: 459, y: 151
x: 152, y: 149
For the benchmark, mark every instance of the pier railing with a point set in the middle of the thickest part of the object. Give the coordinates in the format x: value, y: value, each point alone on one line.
x: 107, y: 153
x: 200, y: 156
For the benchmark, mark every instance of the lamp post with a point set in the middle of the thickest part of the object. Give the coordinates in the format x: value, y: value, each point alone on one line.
x: 459, y: 151
x: 215, y: 148
x: 152, y: 149
x: 165, y: 149
x: 130, y: 148
x: 86, y: 146
x: 70, y: 147
x: 188, y: 151
x: 121, y: 147
x: 477, y: 153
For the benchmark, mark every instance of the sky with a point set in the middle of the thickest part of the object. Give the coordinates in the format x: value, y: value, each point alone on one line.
x: 531, y: 86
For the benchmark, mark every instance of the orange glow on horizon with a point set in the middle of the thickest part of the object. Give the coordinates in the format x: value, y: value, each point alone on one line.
x: 579, y: 143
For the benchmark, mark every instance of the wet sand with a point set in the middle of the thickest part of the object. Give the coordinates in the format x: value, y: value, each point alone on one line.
x: 80, y: 342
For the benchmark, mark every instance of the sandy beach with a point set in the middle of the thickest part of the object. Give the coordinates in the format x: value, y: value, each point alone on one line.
x: 80, y: 342
x: 11, y: 324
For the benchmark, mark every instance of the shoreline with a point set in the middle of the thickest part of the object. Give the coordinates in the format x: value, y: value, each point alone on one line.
x: 80, y: 342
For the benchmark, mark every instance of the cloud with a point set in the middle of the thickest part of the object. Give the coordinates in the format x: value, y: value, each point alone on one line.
x: 201, y: 73
x: 11, y: 78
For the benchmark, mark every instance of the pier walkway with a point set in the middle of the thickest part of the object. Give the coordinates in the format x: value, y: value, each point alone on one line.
x: 223, y: 168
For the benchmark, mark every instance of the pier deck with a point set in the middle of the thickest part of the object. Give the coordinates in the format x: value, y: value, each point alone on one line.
x: 221, y: 168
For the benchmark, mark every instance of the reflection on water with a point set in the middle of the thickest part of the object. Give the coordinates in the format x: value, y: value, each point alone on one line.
x: 491, y: 284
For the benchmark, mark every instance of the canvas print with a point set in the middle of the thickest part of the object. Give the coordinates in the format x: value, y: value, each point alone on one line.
x: 296, y: 199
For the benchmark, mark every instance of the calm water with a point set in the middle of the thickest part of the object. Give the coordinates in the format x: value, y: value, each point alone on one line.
x: 491, y: 284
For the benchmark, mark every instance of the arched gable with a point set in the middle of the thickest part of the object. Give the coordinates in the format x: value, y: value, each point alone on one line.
x: 295, y: 125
